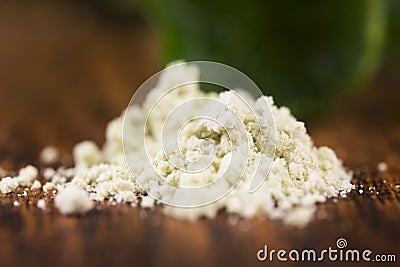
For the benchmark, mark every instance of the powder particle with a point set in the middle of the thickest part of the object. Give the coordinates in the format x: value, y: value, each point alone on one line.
x: 382, y: 166
x: 8, y: 184
x: 73, y: 200
x: 41, y: 204
x: 107, y: 181
x: 147, y: 202
x: 299, y: 216
x: 36, y: 185
x: 49, y: 186
x: 86, y: 154
x: 49, y: 155
x: 27, y: 175
x: 16, y: 203
x: 60, y: 176
x: 49, y: 173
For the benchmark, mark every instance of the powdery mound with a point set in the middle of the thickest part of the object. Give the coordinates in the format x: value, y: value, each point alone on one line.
x: 301, y: 175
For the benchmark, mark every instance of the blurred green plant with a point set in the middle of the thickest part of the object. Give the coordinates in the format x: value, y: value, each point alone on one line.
x: 393, y: 40
x: 301, y: 52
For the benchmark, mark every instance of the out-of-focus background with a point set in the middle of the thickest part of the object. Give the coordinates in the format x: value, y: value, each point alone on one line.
x: 67, y: 67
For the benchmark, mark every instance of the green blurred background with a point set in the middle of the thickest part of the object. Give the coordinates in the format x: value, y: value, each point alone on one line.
x: 301, y: 52
x: 304, y: 53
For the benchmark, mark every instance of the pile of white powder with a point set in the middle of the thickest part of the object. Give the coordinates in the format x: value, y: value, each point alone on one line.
x: 301, y: 176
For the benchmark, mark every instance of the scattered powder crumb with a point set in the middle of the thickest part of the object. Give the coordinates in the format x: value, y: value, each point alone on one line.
x: 49, y: 186
x: 49, y: 173
x: 147, y: 202
x: 107, y: 181
x: 86, y: 154
x: 299, y: 216
x: 60, y: 176
x: 16, y: 203
x: 41, y: 204
x: 382, y: 166
x: 73, y: 200
x: 8, y: 184
x: 27, y: 175
x: 49, y: 155
x: 36, y: 185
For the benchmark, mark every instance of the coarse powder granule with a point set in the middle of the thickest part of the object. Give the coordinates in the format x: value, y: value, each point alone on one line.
x: 73, y: 200
x: 8, y: 184
x: 41, y: 204
x: 27, y: 175
x: 36, y: 185
x: 49, y: 155
x: 301, y: 175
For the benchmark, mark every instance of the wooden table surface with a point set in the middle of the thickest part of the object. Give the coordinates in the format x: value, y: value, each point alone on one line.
x: 62, y: 97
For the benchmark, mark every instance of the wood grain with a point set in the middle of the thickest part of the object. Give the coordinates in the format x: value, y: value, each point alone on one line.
x: 61, y: 90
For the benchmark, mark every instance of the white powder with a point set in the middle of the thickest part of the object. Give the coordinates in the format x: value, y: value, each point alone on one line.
x: 16, y: 203
x: 73, y: 200
x: 299, y: 216
x: 41, y: 204
x: 382, y: 166
x: 8, y: 184
x: 86, y: 154
x: 147, y: 202
x: 105, y: 181
x: 49, y: 155
x: 49, y: 186
x: 36, y: 185
x: 301, y: 174
x: 49, y: 173
x: 27, y: 175
x: 59, y: 176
